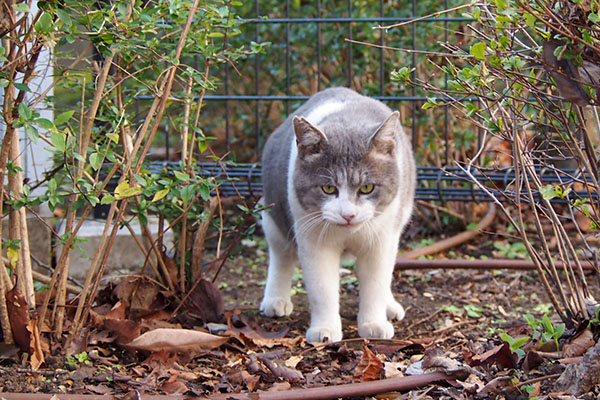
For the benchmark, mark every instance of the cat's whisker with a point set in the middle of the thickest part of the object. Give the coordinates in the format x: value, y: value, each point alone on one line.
x: 307, y: 223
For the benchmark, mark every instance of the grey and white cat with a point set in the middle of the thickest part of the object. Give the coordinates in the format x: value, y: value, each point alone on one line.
x: 340, y: 176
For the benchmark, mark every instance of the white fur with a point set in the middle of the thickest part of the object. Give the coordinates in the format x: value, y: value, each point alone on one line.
x: 319, y: 114
x: 321, y: 241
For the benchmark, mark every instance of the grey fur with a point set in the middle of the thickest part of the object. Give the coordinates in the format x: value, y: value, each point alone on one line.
x: 362, y: 141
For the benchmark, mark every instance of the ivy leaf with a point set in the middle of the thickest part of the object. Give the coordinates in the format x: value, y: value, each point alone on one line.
x: 63, y: 117
x: 478, y: 50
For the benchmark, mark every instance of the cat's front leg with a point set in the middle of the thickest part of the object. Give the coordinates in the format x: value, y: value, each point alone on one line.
x: 282, y: 261
x: 320, y: 267
x: 377, y: 304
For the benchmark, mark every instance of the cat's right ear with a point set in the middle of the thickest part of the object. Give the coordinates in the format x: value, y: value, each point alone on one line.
x: 309, y: 138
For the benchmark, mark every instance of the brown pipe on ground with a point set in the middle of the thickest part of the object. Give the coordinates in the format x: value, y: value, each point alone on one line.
x: 402, y: 264
x: 401, y: 384
x: 454, y: 240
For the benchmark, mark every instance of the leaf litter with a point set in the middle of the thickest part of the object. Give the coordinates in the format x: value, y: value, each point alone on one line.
x: 216, y: 343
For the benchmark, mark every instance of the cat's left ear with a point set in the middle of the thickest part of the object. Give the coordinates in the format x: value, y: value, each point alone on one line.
x: 384, y: 138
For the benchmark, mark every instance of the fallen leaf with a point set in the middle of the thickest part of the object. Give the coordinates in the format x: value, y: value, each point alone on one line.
x: 578, y: 345
x: 18, y: 314
x: 293, y: 361
x: 434, y: 359
x: 394, y: 369
x: 36, y: 354
x: 370, y: 368
x: 280, y: 387
x: 532, y: 360
x: 119, y: 310
x: 174, y: 386
x: 205, y: 302
x: 176, y: 340
x: 499, y: 354
x: 243, y: 377
x: 126, y: 330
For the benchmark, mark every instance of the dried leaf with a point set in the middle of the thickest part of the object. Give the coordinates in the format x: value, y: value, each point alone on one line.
x: 499, y: 354
x: 18, y: 313
x: 205, y: 302
x: 578, y: 345
x: 176, y: 340
x: 370, y: 368
x: 35, y: 346
x: 174, y: 386
x: 126, y: 329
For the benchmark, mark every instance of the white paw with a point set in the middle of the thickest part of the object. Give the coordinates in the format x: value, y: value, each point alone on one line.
x: 395, y: 311
x: 323, y: 334
x: 276, y: 306
x: 376, y: 329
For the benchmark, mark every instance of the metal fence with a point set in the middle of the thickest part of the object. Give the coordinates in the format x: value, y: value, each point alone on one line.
x: 315, y: 45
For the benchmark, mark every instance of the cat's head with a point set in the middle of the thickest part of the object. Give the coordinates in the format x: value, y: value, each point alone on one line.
x: 346, y: 175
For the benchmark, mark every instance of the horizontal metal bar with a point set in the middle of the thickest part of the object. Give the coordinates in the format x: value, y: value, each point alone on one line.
x: 351, y: 19
x: 302, y: 98
x: 245, y: 180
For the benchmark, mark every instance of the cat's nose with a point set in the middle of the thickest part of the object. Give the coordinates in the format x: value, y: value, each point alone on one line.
x: 348, y: 218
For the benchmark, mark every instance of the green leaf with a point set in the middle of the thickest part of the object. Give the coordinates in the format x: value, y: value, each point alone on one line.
x: 22, y: 87
x: 63, y: 117
x: 21, y: 7
x: 32, y: 133
x: 205, y: 192
x: 548, y: 192
x: 113, y: 136
x: 59, y: 140
x: 107, y: 199
x: 181, y: 176
x: 96, y: 161
x: 44, y: 24
x: 160, y: 194
x: 64, y: 17
x: 478, y: 50
x: 453, y: 309
x: 25, y: 112
x: 123, y: 190
x: 44, y: 123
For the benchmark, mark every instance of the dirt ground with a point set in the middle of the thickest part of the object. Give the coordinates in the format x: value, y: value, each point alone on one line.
x: 459, y: 314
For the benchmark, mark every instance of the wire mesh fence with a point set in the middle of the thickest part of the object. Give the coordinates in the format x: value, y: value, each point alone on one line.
x: 307, y: 46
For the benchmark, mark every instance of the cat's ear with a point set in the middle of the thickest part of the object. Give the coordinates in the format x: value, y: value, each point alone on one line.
x: 309, y: 138
x: 384, y: 138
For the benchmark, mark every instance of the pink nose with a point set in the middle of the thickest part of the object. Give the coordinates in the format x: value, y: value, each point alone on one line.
x: 348, y: 218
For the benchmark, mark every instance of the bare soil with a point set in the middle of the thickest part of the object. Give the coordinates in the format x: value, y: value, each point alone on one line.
x: 458, y: 313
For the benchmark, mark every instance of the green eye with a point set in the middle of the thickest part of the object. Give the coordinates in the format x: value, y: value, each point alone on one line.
x: 366, y: 189
x: 329, y: 189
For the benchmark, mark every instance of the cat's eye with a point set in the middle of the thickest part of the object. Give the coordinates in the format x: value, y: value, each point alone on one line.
x: 329, y: 189
x: 366, y: 189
